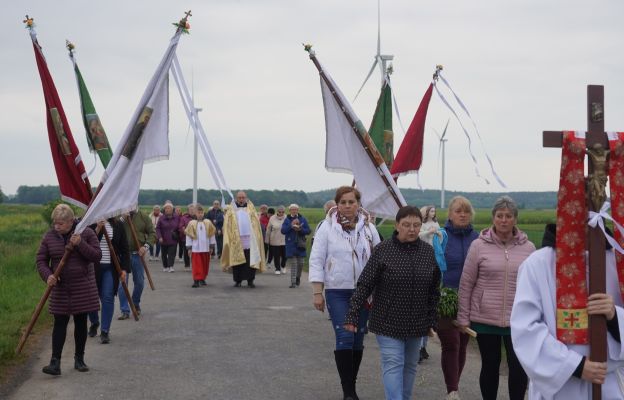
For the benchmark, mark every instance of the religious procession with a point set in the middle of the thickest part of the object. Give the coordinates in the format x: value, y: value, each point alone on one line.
x: 267, y: 302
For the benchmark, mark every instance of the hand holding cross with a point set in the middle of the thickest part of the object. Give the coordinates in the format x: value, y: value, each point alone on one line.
x: 597, y: 143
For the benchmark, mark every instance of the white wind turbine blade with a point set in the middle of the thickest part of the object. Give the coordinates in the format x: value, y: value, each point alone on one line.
x: 445, y: 128
x: 439, y: 146
x: 378, y: 28
x: 367, y: 76
x: 378, y: 58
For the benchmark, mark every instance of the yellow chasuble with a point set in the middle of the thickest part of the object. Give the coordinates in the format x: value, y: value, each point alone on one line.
x: 233, y: 254
x: 191, y: 228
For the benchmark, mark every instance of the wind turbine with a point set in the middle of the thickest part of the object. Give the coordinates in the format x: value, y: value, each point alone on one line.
x: 441, y: 150
x: 380, y: 59
x: 194, y: 139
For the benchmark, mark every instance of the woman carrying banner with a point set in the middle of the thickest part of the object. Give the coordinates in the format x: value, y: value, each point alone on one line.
x: 342, y: 246
x: 75, y: 291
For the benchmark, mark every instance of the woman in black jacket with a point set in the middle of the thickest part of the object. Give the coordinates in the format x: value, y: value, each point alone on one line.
x: 404, y: 279
x: 106, y: 275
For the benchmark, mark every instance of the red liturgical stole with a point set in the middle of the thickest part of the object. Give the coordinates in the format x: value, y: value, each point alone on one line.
x: 572, y: 215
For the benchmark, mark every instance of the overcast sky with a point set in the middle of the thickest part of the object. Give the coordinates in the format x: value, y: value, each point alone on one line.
x: 521, y: 67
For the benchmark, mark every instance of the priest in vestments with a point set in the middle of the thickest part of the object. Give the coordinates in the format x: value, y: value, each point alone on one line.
x: 243, y: 246
x: 557, y: 370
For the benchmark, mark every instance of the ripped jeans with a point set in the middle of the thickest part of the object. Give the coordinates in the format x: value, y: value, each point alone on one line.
x: 337, y: 305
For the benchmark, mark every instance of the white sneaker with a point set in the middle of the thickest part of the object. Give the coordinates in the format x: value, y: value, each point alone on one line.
x: 454, y: 395
x: 171, y: 269
x: 165, y: 269
x: 277, y: 272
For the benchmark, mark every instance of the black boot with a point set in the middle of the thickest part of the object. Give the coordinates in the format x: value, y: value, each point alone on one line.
x: 93, y: 329
x: 54, y: 368
x: 298, y: 281
x: 357, y: 360
x: 195, y: 284
x: 79, y: 364
x: 344, y: 364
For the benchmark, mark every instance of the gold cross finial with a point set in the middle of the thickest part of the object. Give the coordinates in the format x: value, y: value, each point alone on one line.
x: 30, y: 22
x: 439, y: 69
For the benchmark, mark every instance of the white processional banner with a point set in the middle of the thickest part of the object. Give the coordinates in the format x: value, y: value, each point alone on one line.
x: 146, y: 139
x: 345, y: 153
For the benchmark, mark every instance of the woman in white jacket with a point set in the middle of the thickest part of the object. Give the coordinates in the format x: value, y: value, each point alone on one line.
x: 342, y: 246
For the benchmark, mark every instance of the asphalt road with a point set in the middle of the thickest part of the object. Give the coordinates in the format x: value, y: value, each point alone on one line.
x: 220, y: 342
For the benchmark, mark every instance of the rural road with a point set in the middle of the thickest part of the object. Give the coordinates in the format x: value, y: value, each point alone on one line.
x: 220, y: 342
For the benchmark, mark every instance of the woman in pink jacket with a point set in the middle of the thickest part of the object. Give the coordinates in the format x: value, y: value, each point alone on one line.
x: 486, y: 295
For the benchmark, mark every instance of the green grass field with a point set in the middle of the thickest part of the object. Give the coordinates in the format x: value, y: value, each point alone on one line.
x: 532, y: 222
x: 21, y: 229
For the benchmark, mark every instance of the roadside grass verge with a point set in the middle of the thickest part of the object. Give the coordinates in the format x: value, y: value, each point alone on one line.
x: 21, y: 230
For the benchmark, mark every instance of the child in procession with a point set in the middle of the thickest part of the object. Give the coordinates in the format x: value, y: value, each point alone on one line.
x: 200, y: 242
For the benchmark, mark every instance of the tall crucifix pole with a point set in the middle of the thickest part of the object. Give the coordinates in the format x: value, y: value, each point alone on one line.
x: 597, y: 270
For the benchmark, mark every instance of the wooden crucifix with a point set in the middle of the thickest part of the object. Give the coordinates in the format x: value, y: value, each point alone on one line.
x: 597, y: 270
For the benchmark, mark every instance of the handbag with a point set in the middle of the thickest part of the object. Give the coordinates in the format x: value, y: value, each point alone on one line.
x: 175, y: 235
x: 301, y: 241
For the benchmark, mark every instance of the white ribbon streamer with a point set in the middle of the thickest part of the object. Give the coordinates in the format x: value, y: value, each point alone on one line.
x: 200, y: 134
x: 595, y: 219
x: 461, y: 104
x: 474, y: 159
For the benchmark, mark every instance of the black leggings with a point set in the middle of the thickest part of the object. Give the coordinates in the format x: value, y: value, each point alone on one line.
x: 490, y: 349
x: 59, y: 332
x: 279, y: 255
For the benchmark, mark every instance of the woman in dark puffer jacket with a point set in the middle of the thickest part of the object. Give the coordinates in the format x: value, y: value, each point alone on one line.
x: 75, y: 292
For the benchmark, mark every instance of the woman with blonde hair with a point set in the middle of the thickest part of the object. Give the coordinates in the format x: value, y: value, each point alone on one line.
x: 454, y: 342
x: 75, y: 292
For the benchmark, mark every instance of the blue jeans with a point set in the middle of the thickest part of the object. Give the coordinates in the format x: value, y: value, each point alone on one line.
x: 94, y: 317
x: 107, y: 298
x: 138, y: 278
x: 399, y: 359
x: 107, y: 295
x: 337, y: 306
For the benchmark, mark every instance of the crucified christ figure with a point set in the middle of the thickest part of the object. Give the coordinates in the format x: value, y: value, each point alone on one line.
x: 597, y: 181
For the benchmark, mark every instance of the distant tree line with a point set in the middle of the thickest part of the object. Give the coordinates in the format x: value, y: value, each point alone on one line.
x: 533, y: 200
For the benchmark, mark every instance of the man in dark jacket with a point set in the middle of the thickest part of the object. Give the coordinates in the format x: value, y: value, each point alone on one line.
x: 215, y: 215
x: 187, y: 217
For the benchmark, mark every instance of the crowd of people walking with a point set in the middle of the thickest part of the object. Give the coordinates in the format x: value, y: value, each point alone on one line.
x: 389, y: 287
